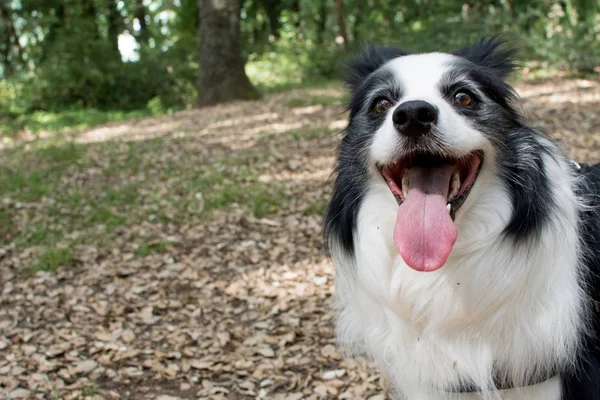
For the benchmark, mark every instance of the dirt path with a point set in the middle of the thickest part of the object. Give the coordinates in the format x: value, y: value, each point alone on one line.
x: 192, y: 266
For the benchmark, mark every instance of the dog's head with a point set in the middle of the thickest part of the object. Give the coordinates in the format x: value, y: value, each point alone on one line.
x: 427, y: 125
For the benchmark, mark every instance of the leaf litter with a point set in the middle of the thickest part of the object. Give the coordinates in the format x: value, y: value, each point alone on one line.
x: 227, y: 297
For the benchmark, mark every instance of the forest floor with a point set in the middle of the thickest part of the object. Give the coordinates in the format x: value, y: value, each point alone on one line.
x: 181, y: 256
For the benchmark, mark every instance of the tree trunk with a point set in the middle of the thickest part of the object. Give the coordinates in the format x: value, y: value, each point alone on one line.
x: 115, y: 25
x: 322, y: 21
x: 466, y: 7
x: 92, y: 14
x: 222, y: 75
x: 295, y: 8
x: 60, y: 15
x: 509, y: 9
x: 273, y: 10
x: 11, y: 41
x: 140, y: 15
x: 339, y: 5
x: 356, y: 29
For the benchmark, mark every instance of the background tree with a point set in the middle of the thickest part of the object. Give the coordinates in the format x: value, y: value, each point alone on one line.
x: 156, y: 56
x: 222, y: 74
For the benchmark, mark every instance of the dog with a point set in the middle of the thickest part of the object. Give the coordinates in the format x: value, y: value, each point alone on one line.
x: 466, y: 243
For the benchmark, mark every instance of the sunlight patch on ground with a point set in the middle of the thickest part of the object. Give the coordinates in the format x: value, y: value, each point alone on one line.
x: 570, y: 90
x: 337, y: 124
x: 288, y: 176
x: 307, y: 110
x: 239, y: 122
x: 124, y: 132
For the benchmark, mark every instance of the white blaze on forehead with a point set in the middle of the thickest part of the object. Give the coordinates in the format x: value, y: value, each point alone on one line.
x: 419, y: 74
x: 418, y: 77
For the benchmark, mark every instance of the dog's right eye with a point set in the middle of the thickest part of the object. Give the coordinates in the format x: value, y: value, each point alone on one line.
x: 463, y: 98
x: 382, y: 106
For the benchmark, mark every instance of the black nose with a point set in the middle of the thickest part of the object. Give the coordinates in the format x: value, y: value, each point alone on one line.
x: 414, y: 118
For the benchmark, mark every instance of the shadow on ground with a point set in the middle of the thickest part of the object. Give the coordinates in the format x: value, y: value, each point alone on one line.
x: 182, y: 256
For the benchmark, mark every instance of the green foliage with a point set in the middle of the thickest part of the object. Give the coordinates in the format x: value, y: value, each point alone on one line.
x: 550, y: 36
x: 74, y: 69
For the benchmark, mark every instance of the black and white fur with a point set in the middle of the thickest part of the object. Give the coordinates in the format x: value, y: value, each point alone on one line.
x: 515, y: 303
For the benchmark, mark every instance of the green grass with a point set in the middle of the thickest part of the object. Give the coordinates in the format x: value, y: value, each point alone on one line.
x: 51, y: 259
x: 317, y: 207
x: 64, y: 155
x: 65, y: 120
x: 313, y: 132
x: 120, y: 196
x: 87, y: 195
x: 259, y: 198
x: 102, y: 215
x: 90, y: 390
x: 35, y: 235
x: 31, y: 185
x: 6, y: 224
x: 145, y: 249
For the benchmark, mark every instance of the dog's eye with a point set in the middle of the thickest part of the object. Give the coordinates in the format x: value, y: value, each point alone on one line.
x: 382, y: 106
x: 464, y: 99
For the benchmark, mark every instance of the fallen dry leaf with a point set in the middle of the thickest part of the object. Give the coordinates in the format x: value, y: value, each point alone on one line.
x: 184, y: 303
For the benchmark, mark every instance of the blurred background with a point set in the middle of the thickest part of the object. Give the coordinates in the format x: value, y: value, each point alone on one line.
x: 165, y: 166
x: 121, y: 59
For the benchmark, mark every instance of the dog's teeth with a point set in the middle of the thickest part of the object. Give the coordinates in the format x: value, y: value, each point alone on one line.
x: 455, y: 185
x: 448, y: 207
x: 405, y: 183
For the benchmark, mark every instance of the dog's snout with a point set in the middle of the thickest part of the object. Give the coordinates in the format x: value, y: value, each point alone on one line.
x: 414, y: 118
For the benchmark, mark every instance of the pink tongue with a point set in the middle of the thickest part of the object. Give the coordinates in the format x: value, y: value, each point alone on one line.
x: 424, y: 232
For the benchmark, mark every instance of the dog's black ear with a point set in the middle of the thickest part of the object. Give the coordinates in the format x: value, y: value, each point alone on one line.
x: 491, y: 53
x: 369, y: 61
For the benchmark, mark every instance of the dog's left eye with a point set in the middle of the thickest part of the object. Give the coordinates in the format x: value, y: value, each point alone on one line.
x: 382, y: 106
x: 463, y: 98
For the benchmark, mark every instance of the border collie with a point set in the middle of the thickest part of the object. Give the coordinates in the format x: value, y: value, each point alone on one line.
x: 466, y: 244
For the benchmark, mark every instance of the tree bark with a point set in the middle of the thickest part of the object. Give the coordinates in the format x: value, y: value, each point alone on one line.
x: 322, y: 21
x: 466, y: 6
x: 295, y: 8
x: 509, y: 9
x: 60, y: 21
x: 222, y: 75
x: 339, y: 5
x: 356, y: 28
x: 92, y: 14
x: 273, y: 10
x: 115, y: 25
x: 11, y: 42
x: 140, y: 15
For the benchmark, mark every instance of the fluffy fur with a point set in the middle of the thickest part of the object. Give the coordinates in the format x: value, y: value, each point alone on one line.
x: 514, y: 306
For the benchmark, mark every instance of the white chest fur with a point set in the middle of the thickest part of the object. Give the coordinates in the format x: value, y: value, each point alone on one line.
x: 494, y: 306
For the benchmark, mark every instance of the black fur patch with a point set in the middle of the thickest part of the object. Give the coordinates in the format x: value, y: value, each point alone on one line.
x: 498, y: 117
x: 368, y: 62
x: 583, y: 382
x: 491, y: 54
x: 363, y: 78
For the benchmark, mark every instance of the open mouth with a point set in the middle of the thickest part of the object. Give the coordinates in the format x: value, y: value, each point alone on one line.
x: 464, y: 173
x: 429, y: 190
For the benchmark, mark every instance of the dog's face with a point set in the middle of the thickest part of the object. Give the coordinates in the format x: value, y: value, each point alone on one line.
x: 428, y: 125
